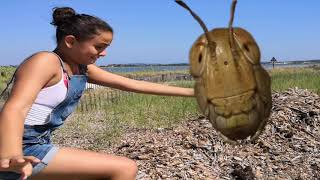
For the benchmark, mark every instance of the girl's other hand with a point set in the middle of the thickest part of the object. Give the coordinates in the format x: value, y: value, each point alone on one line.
x: 21, y: 165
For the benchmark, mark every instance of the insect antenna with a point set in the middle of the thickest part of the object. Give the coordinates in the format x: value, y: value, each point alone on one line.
x: 211, y: 43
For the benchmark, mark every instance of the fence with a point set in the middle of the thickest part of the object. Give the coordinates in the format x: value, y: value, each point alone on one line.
x: 90, y: 86
x: 152, y: 78
x: 97, y: 97
x: 97, y: 100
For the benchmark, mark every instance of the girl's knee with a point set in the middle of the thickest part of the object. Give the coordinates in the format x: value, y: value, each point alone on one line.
x: 132, y: 167
x: 126, y: 169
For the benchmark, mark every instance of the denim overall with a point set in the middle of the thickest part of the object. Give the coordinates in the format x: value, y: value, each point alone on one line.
x: 37, y: 138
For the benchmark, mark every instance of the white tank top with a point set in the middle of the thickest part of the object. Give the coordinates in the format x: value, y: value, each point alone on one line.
x: 47, y: 99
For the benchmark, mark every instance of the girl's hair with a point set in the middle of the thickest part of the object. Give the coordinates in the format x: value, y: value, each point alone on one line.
x: 81, y: 26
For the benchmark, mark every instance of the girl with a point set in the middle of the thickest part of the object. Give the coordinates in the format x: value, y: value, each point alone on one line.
x: 46, y: 89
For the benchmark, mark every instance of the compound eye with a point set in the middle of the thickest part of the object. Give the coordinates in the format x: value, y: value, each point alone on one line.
x: 251, y: 52
x: 200, y: 58
x: 246, y: 48
x: 197, y: 58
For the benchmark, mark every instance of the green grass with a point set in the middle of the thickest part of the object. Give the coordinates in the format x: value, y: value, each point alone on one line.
x: 142, y: 110
x: 5, y: 75
x: 150, y: 111
x: 303, y: 78
x: 132, y: 110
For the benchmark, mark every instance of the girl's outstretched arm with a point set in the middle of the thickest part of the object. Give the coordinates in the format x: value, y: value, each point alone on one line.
x: 105, y: 78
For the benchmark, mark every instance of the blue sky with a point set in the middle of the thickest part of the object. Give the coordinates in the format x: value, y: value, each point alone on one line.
x: 160, y: 31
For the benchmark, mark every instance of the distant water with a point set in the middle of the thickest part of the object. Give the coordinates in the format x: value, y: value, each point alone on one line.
x: 185, y: 67
x: 292, y: 64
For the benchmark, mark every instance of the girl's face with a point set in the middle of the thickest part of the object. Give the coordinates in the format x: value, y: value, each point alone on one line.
x: 87, y: 52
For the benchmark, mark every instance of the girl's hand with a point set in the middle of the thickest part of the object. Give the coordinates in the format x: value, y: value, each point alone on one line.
x: 21, y: 165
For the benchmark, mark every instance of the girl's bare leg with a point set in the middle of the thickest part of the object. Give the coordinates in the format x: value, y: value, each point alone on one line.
x: 74, y: 164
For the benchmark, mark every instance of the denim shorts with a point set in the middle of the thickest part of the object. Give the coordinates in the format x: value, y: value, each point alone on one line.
x: 37, y: 146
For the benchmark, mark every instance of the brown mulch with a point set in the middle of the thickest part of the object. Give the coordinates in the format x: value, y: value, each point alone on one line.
x: 289, y: 148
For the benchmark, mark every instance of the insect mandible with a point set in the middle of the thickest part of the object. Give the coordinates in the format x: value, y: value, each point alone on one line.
x: 232, y: 89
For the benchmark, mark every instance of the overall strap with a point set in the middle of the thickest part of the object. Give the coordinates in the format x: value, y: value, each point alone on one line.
x: 82, y: 68
x: 61, y: 62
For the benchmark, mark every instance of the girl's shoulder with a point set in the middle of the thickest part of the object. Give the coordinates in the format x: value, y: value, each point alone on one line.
x: 45, y: 56
x: 41, y: 61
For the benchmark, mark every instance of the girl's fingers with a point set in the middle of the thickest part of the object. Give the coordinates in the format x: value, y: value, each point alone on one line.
x: 24, y: 159
x: 26, y: 171
x: 19, y: 160
x: 4, y: 163
x: 23, y: 175
x: 16, y: 160
x: 21, y: 165
x: 31, y: 159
